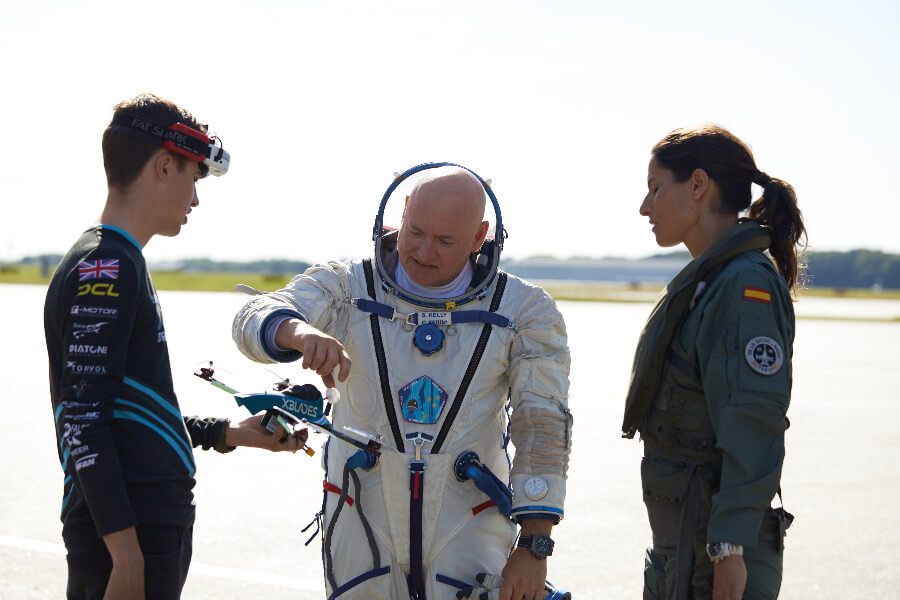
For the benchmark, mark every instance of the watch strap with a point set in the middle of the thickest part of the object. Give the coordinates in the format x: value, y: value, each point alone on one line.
x: 719, y: 551
x: 530, y: 541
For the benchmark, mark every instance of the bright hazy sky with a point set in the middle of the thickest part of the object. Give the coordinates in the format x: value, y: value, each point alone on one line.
x: 558, y: 102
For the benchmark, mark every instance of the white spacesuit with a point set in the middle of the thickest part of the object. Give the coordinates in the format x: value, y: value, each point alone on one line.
x: 444, y: 396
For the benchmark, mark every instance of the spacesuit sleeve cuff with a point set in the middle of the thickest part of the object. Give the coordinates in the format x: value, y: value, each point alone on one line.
x: 267, y: 336
x: 523, y: 516
x: 537, y: 512
x: 545, y: 501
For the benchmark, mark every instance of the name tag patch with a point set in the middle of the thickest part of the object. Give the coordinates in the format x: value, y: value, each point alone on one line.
x: 764, y: 355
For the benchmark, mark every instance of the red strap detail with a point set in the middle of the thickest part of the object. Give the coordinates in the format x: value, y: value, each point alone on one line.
x: 330, y: 487
x: 181, y: 127
x: 482, y: 506
x: 416, y: 486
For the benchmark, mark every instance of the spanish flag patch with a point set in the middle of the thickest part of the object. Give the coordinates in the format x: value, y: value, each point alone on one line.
x: 757, y: 294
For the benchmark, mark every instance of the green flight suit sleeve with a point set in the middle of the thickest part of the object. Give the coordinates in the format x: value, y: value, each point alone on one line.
x: 744, y: 347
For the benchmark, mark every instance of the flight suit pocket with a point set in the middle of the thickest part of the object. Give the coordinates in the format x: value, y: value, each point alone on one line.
x: 665, y: 485
x: 773, y: 528
x: 687, y: 409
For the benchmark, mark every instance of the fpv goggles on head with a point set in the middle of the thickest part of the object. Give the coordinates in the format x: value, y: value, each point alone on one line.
x: 184, y: 140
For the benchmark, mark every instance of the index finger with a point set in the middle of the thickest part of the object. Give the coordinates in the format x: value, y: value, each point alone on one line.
x: 345, y: 363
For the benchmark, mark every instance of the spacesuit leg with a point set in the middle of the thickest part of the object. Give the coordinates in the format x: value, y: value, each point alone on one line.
x: 350, y: 558
x: 481, y: 546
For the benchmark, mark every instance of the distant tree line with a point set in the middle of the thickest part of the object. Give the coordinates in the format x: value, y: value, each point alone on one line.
x: 853, y: 269
x: 274, y: 266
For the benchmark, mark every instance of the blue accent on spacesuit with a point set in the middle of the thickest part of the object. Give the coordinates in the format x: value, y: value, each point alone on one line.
x: 493, y: 247
x: 386, y: 311
x: 508, y: 435
x: 556, y: 593
x: 480, y: 316
x: 537, y: 512
x: 278, y: 355
x: 453, y: 582
x: 428, y: 339
x: 553, y: 593
x: 361, y: 459
x: 469, y: 466
x: 370, y: 306
x: 376, y: 232
x: 359, y: 579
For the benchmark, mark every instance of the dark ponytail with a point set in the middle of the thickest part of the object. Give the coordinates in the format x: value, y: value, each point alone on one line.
x: 777, y: 210
x: 729, y: 162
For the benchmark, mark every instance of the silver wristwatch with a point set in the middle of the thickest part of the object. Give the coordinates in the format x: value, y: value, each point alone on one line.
x: 717, y: 551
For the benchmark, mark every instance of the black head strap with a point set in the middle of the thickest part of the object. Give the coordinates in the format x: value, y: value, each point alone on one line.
x: 178, y: 137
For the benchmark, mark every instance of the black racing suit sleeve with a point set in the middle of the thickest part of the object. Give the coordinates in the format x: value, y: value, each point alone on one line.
x: 208, y: 433
x: 95, y: 357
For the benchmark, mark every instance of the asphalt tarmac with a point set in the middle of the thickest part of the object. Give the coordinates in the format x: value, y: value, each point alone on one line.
x: 841, y: 476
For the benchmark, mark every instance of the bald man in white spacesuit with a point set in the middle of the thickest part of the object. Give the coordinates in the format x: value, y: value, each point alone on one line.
x: 430, y: 401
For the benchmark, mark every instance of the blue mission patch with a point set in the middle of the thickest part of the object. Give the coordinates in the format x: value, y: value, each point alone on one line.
x: 422, y: 400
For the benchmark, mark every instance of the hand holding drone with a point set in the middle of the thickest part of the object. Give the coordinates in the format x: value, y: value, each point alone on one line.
x: 294, y: 408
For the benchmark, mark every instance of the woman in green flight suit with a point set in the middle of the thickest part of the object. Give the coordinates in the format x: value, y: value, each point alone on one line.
x: 711, y: 381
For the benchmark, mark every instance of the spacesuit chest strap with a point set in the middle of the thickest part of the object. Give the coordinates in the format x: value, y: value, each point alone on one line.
x: 433, y: 317
x: 381, y: 360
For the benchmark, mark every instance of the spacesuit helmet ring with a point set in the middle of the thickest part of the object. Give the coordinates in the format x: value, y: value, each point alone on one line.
x: 487, y: 259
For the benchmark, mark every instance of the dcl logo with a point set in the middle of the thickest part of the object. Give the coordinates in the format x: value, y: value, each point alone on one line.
x: 98, y: 289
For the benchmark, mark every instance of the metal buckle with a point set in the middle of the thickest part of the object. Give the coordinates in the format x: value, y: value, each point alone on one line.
x: 419, y: 439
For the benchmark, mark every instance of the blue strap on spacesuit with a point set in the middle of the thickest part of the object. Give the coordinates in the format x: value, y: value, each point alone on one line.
x: 436, y: 317
x: 469, y: 466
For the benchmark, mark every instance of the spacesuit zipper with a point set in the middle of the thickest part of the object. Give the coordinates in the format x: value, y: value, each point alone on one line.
x: 416, y: 500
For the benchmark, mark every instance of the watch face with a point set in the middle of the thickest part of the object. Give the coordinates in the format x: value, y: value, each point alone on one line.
x: 542, y: 545
x: 714, y: 550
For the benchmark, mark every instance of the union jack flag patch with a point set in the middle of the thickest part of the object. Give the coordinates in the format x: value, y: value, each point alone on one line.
x: 98, y: 269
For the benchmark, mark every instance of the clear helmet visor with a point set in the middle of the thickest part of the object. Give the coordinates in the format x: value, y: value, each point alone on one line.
x: 389, y: 219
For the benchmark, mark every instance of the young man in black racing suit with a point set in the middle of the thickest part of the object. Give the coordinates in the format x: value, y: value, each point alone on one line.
x: 124, y: 445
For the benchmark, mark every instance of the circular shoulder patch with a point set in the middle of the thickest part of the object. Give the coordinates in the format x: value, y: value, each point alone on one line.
x: 764, y: 355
